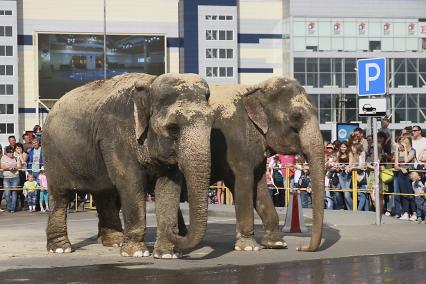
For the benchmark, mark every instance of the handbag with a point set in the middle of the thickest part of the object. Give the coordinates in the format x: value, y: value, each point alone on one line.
x: 361, y: 178
x: 386, y: 176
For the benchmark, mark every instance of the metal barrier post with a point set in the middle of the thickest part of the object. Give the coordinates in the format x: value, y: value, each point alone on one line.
x: 228, y: 195
x: 76, y: 202
x: 287, y: 185
x: 354, y: 190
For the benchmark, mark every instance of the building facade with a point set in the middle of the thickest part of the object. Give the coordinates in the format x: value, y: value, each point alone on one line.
x: 54, y: 46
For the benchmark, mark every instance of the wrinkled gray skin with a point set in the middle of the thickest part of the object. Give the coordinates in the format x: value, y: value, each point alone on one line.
x: 113, y: 139
x: 275, y: 116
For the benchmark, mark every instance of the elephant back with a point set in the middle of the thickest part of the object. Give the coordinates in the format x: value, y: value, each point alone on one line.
x: 224, y: 98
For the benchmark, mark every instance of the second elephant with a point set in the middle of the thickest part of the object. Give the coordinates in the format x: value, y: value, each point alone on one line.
x: 274, y: 116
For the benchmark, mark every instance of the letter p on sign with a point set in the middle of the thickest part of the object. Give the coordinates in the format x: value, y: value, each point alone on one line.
x: 371, y: 76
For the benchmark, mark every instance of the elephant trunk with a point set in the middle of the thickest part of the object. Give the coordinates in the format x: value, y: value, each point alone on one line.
x: 194, y: 162
x: 312, y: 147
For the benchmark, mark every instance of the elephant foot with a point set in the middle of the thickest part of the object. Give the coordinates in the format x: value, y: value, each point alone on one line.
x: 61, y: 245
x: 111, y: 239
x: 247, y: 244
x: 166, y: 254
x: 273, y: 241
x: 134, y: 249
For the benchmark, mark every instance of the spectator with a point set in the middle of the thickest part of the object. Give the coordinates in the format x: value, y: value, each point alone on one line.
x: 35, y: 159
x: 26, y: 142
x: 1, y: 179
x: 384, y: 123
x: 404, y: 158
x: 419, y: 142
x: 344, y: 160
x: 369, y: 151
x: 386, y: 146
x: 10, y: 166
x: 278, y: 181
x: 12, y: 143
x: 273, y: 191
x: 37, y: 132
x: 44, y: 195
x: 359, y: 165
x: 419, y: 188
x: 21, y: 156
x: 360, y: 134
x: 331, y: 177
x: 30, y: 186
x: 305, y: 182
x: 220, y: 192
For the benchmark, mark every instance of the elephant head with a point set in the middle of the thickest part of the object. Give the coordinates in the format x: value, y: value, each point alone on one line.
x: 173, y: 124
x: 282, y: 111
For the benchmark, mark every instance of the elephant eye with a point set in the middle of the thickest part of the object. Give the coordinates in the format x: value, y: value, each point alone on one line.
x: 173, y: 130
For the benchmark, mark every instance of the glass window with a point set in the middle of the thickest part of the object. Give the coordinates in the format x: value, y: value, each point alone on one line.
x: 10, y: 128
x: 325, y: 100
x: 337, y: 64
x: 1, y: 12
x: 325, y: 115
x: 325, y: 64
x: 208, y: 17
x: 314, y: 99
x: 2, y: 50
x: 2, y: 89
x: 222, y: 18
x: 9, y: 50
x: 229, y: 18
x: 230, y: 71
x: 399, y: 79
x: 351, y: 101
x: 9, y: 89
x: 412, y: 79
x: 2, y: 70
x: 9, y: 109
x: 222, y: 72
x: 229, y: 35
x: 350, y: 64
x: 400, y: 115
x: 230, y: 53
x: 412, y: 65
x: 9, y: 70
x: 222, y: 35
x: 1, y: 30
x: 222, y: 53
x: 299, y: 64
x: 3, y: 128
x: 8, y: 31
x: 312, y: 79
x: 412, y: 100
x: 8, y: 13
x: 350, y: 79
x: 337, y: 79
x: 325, y: 79
x: 399, y: 65
x: 422, y: 65
x: 2, y: 109
x: 351, y: 114
x: 301, y: 78
x: 312, y: 65
x: 412, y: 115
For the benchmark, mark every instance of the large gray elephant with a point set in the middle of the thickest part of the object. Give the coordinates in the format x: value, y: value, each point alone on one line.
x: 274, y: 116
x: 111, y: 138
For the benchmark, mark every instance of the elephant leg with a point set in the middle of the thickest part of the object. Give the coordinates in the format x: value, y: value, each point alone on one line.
x: 167, y: 198
x: 272, y: 237
x: 243, y: 196
x: 110, y: 231
x: 57, y: 236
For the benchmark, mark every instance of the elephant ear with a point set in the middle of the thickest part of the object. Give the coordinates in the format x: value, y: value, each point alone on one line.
x: 255, y: 109
x: 141, y: 107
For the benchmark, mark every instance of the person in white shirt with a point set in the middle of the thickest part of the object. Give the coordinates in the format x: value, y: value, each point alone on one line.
x: 419, y: 142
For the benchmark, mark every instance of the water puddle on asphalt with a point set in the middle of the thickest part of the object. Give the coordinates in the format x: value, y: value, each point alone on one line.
x: 398, y: 268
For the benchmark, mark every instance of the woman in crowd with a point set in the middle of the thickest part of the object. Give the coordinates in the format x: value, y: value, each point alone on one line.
x: 359, y: 165
x: 331, y: 178
x: 404, y: 159
x: 1, y: 179
x: 10, y: 166
x: 22, y: 156
x: 278, y: 179
x: 344, y: 160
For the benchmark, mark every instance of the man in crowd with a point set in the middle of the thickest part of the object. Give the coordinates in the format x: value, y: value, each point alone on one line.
x: 35, y: 159
x: 384, y: 123
x: 360, y: 134
x: 12, y: 143
x: 419, y: 142
x: 26, y: 142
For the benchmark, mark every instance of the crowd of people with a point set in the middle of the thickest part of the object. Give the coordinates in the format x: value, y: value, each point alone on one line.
x: 23, y: 183
x: 402, y: 173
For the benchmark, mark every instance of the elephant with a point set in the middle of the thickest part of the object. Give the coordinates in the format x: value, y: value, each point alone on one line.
x: 274, y: 116
x: 115, y: 139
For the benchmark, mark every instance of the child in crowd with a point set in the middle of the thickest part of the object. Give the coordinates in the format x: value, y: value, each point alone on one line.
x: 44, y: 195
x: 419, y: 188
x: 31, y: 187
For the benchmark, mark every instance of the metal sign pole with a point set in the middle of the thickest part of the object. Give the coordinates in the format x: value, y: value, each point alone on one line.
x: 376, y: 173
x: 105, y: 49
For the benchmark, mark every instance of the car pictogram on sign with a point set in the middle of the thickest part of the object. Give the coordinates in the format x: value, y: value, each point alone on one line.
x: 368, y: 108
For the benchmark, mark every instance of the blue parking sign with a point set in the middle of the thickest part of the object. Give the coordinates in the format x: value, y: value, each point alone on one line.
x: 371, y: 76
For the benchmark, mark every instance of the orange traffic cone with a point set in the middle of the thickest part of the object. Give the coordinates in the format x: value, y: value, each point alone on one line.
x: 294, y: 222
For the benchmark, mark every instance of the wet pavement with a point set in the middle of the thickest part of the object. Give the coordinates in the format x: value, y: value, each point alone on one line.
x: 397, y: 268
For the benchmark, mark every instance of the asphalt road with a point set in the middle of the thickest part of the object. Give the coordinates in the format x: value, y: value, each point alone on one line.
x: 353, y: 251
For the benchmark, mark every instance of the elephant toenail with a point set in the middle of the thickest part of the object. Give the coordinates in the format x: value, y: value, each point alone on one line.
x: 146, y: 253
x: 237, y: 248
x: 59, y: 250
x: 167, y: 256
x: 124, y: 254
x: 248, y: 248
x: 68, y: 250
x: 138, y: 253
